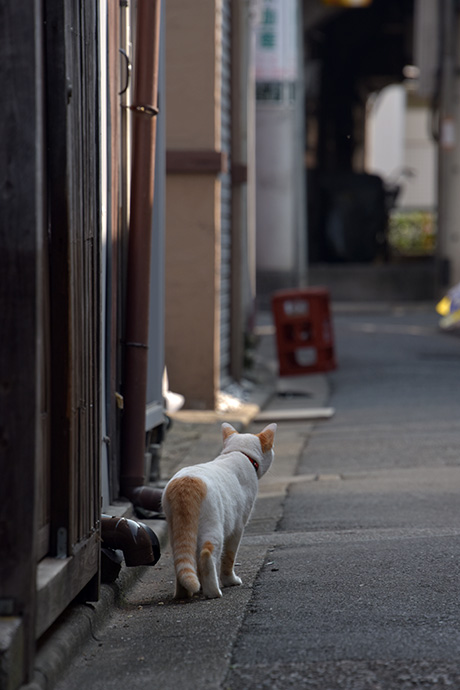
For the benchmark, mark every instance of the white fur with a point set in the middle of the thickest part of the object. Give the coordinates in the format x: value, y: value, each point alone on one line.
x: 232, y: 485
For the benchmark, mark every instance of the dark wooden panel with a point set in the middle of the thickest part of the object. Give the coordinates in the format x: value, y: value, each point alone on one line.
x: 87, y: 271
x: 59, y: 94
x: 43, y: 445
x: 60, y: 580
x: 196, y: 162
x: 73, y: 140
x: 21, y: 239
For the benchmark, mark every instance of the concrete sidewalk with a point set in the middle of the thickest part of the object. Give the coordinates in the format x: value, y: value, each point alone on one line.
x: 193, y: 437
x: 115, y: 635
x: 187, y: 442
x: 372, y: 492
x: 349, y: 564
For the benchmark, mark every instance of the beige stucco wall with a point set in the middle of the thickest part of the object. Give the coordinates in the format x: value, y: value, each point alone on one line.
x: 192, y: 204
x: 192, y: 269
x: 192, y: 76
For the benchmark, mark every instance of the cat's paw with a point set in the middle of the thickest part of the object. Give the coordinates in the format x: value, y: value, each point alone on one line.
x: 212, y: 592
x: 231, y: 580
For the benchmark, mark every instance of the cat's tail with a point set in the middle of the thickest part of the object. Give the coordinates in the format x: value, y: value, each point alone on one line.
x: 182, y: 502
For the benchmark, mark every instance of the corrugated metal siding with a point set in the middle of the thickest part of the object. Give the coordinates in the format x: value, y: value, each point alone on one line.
x: 226, y: 196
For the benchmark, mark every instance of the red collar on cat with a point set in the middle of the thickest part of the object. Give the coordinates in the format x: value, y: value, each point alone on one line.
x: 252, y: 461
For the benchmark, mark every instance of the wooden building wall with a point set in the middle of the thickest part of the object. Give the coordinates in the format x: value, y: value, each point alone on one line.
x: 50, y: 315
x: 22, y: 237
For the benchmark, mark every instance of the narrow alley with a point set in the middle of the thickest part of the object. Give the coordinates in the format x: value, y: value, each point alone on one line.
x: 350, y: 563
x: 172, y: 171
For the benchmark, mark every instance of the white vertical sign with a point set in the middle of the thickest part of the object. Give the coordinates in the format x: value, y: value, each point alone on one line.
x: 276, y: 48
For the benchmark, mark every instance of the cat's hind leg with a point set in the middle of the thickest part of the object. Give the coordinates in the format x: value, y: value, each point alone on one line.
x: 228, y: 577
x: 208, y: 571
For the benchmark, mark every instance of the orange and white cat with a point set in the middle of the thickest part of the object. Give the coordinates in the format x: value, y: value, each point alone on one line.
x: 207, y: 507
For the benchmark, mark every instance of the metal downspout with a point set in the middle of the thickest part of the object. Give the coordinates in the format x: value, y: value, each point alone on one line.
x: 138, y: 542
x: 144, y: 108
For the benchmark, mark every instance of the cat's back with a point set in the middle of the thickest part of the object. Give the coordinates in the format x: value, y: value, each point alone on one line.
x: 219, y: 483
x: 225, y: 470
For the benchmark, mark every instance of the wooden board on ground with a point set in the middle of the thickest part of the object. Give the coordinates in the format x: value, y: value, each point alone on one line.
x: 303, y: 414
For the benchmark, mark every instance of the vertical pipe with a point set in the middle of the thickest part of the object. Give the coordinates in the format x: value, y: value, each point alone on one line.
x: 448, y: 241
x: 138, y: 271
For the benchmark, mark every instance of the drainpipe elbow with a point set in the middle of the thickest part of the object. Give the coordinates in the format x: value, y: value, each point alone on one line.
x: 138, y: 542
x: 147, y: 497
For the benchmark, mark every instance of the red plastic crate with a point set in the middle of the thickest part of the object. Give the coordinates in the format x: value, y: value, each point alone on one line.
x: 304, y: 334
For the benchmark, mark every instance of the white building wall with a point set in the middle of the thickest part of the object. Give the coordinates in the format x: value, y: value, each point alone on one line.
x: 385, y: 132
x: 419, y: 191
x: 279, y: 149
x: 398, y: 139
x: 275, y: 202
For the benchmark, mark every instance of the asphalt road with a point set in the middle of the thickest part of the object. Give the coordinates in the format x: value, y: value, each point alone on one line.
x: 350, y: 565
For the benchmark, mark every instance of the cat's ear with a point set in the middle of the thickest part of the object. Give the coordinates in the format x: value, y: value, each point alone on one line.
x: 227, y: 430
x: 267, y: 437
